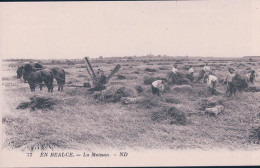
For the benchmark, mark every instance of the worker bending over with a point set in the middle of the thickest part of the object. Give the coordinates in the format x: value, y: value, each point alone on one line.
x: 212, y: 81
x: 157, y: 87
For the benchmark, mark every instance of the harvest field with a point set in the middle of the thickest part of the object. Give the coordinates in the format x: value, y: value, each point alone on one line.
x: 126, y: 114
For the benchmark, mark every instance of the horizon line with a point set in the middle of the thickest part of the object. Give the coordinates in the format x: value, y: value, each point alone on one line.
x: 130, y: 57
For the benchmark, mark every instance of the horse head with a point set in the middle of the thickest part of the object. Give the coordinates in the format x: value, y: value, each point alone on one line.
x: 19, y: 71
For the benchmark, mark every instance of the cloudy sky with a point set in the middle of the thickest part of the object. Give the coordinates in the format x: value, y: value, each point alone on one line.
x: 77, y: 29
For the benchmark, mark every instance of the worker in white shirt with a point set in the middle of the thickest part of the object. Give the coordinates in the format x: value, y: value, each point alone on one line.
x: 157, y: 87
x: 174, y: 69
x: 206, y: 68
x: 212, y: 81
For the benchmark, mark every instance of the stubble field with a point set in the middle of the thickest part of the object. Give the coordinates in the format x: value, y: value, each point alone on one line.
x: 126, y: 114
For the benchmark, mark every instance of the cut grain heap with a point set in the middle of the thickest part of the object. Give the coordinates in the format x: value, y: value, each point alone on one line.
x: 209, y: 103
x: 116, y: 93
x: 36, y: 103
x: 239, y: 82
x: 139, y: 88
x: 150, y: 70
x: 177, y: 79
x: 121, y: 77
x: 170, y: 115
x: 212, y: 107
x: 149, y: 80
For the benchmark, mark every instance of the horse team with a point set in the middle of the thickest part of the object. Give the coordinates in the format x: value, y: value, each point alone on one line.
x: 38, y: 75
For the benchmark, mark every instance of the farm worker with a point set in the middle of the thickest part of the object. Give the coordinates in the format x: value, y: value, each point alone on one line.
x: 100, y: 82
x: 212, y: 81
x: 157, y: 86
x: 206, y: 68
x: 250, y: 77
x: 101, y: 77
x: 174, y: 69
x: 191, y: 70
x: 230, y: 85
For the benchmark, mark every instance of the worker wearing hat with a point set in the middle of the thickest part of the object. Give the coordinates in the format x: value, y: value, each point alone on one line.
x: 251, y: 76
x: 230, y: 85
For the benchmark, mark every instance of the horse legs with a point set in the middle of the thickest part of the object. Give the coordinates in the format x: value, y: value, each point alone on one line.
x: 41, y: 85
x: 32, y: 87
x: 49, y: 86
x: 60, y: 86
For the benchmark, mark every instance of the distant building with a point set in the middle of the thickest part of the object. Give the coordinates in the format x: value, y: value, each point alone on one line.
x: 150, y: 55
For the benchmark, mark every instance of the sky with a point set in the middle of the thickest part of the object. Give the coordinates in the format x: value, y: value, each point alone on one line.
x: 55, y: 30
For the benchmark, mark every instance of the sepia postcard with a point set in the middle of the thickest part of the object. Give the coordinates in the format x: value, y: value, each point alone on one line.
x: 130, y: 83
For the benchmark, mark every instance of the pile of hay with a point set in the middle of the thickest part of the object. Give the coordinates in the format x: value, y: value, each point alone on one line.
x: 116, y: 93
x: 214, y: 111
x: 203, y: 92
x: 149, y: 80
x: 172, y: 100
x: 177, y: 79
x: 170, y: 115
x: 182, y: 88
x: 121, y: 77
x: 39, y: 103
x: 239, y: 82
x: 252, y: 89
x: 163, y: 68
x: 139, y: 88
x: 76, y: 92
x: 209, y: 103
x: 150, y: 102
x: 129, y: 100
x: 150, y: 70
x: 241, y: 65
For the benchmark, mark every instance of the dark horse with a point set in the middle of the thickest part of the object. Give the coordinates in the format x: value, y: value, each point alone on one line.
x: 37, y: 77
x: 58, y: 73
x: 36, y: 67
